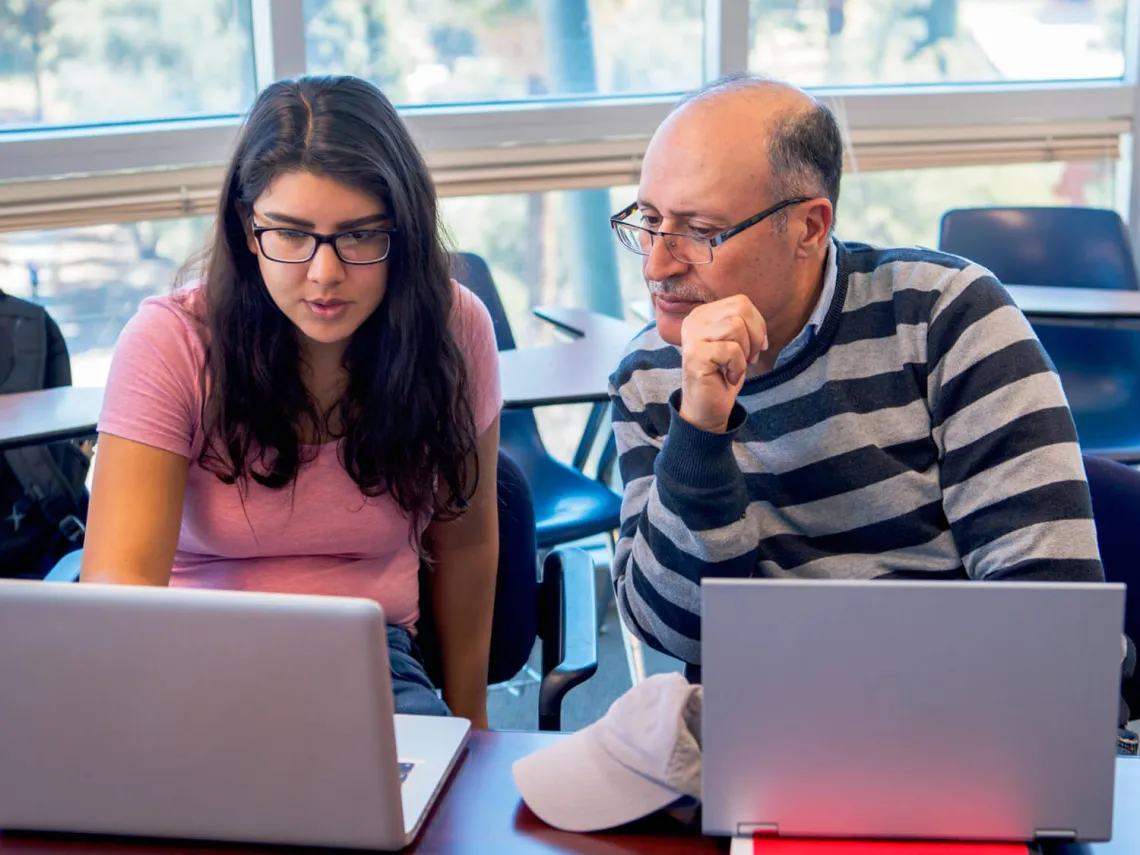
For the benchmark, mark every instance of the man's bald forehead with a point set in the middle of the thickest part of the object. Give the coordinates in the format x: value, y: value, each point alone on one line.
x: 747, y: 86
x: 731, y: 124
x: 756, y: 102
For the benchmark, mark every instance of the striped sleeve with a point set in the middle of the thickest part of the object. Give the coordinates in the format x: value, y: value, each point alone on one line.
x: 1013, y: 482
x: 682, y: 517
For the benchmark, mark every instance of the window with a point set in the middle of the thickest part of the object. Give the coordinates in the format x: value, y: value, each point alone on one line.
x: 81, y: 62
x: 875, y: 42
x: 538, y: 256
x: 91, y: 280
x: 459, y: 51
x: 534, y: 245
x: 905, y: 207
x: 554, y: 94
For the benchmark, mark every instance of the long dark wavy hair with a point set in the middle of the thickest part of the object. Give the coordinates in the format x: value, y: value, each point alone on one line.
x: 406, y: 423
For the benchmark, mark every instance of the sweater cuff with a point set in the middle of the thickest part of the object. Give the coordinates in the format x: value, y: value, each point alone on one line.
x: 696, y: 457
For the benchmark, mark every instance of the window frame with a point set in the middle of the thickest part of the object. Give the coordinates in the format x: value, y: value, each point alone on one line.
x: 501, y: 147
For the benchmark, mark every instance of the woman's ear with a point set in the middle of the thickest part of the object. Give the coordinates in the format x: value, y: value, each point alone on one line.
x: 246, y: 218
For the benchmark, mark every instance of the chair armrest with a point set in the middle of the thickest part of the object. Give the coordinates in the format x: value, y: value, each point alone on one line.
x: 66, y: 569
x: 568, y: 627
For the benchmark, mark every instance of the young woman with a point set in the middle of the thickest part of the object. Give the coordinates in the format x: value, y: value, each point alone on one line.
x: 321, y: 411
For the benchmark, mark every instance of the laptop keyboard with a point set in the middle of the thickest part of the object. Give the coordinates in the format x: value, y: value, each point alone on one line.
x: 405, y: 768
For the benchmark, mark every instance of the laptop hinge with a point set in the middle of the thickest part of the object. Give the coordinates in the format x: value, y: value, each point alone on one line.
x: 757, y: 829
x: 1055, y: 834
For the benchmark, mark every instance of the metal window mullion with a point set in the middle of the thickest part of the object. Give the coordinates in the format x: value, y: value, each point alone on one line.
x: 726, y: 37
x: 30, y: 155
x: 278, y: 40
x: 1132, y: 152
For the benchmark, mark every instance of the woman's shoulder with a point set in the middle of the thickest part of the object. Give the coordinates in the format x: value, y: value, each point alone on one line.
x: 475, y: 333
x: 181, y: 313
x: 469, y: 314
x: 170, y: 326
x: 152, y: 393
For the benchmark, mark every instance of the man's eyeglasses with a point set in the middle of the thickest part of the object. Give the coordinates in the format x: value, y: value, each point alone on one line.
x: 297, y: 246
x: 691, y: 249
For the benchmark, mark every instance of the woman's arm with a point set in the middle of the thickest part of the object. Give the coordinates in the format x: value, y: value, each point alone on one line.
x: 466, y: 561
x: 135, y: 513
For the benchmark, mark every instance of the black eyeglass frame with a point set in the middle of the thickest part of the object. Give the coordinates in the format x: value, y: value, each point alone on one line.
x: 321, y: 239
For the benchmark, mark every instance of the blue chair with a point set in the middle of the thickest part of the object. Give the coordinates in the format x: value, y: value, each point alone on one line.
x: 1115, y: 490
x: 1068, y: 247
x: 1100, y: 373
x: 568, y: 504
x: 1099, y: 364
x: 558, y: 609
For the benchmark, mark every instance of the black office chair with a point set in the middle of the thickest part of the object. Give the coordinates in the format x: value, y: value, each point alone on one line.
x: 1068, y: 247
x: 558, y: 609
x: 43, y: 484
x: 568, y: 504
x: 1115, y: 490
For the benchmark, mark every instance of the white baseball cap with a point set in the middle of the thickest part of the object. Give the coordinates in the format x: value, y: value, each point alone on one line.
x: 643, y: 755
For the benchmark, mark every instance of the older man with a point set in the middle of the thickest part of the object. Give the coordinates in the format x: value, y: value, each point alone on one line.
x: 809, y: 408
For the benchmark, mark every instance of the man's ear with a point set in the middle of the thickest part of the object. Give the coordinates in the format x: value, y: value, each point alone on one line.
x: 818, y: 216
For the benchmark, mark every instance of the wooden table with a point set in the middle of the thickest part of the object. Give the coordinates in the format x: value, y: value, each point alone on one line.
x: 479, y: 812
x: 27, y: 418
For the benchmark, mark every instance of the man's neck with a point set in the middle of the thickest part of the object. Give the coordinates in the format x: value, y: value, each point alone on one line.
x: 781, y: 331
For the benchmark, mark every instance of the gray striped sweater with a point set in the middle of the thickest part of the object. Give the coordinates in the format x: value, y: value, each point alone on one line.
x: 923, y: 433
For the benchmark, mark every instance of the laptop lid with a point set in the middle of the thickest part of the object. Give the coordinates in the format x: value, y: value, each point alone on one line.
x: 203, y: 714
x: 925, y: 709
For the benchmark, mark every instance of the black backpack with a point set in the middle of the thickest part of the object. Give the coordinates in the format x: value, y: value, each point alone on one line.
x: 43, y: 500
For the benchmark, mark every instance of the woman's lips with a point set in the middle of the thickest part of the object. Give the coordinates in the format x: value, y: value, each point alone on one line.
x: 327, y: 310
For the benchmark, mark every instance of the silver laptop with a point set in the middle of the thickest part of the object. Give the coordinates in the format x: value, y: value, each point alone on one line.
x: 218, y: 715
x: 967, y: 710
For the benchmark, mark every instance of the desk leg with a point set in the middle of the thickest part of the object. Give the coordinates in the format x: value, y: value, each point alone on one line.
x: 590, y: 434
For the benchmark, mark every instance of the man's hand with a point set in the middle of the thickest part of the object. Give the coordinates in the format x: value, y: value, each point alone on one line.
x: 719, y: 340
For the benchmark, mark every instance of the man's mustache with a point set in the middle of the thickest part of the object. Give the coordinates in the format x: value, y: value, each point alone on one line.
x: 676, y: 291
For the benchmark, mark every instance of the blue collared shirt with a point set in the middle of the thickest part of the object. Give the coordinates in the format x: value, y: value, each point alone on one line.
x: 811, y: 328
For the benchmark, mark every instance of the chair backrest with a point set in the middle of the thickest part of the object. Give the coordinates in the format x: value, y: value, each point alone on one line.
x: 515, y: 624
x: 517, y: 428
x: 472, y: 271
x: 1069, y: 247
x: 44, y: 483
x: 1100, y: 371
x: 1115, y: 490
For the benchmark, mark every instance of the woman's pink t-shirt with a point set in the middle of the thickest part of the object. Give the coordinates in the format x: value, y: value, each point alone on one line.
x: 324, y: 536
